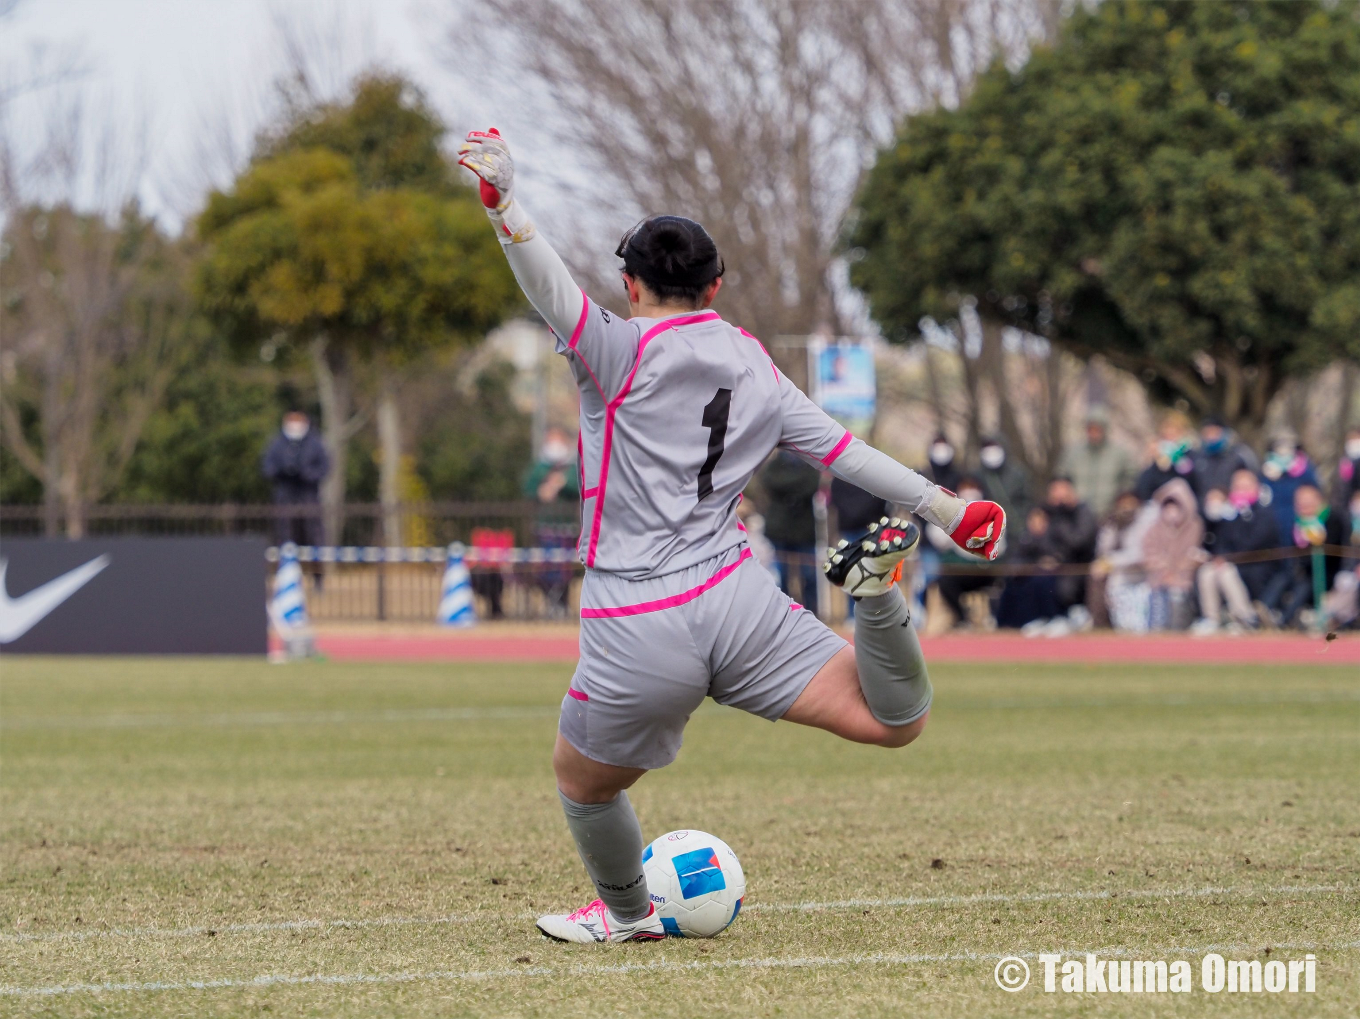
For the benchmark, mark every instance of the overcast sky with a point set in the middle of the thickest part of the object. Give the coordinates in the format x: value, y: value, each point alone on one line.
x: 182, y: 68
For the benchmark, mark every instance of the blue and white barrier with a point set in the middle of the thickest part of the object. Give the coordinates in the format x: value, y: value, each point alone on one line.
x: 288, y: 606
x: 455, y: 596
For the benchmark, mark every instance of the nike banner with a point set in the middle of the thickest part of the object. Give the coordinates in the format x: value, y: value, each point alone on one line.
x: 133, y: 596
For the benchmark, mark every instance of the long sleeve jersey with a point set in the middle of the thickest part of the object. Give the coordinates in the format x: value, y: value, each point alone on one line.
x: 677, y: 414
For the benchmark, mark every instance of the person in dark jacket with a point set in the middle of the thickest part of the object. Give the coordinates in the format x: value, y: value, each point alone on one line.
x: 1286, y: 469
x: 790, y: 485
x: 1028, y: 599
x: 1004, y: 479
x: 1221, y: 455
x: 1235, y: 525
x: 943, y: 469
x: 1072, y: 528
x: 296, y: 462
x: 1315, y: 524
x: 1348, y: 469
x: 1172, y: 457
x: 953, y: 586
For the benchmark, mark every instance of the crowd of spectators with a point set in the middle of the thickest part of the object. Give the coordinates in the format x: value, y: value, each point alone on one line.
x: 1204, y: 535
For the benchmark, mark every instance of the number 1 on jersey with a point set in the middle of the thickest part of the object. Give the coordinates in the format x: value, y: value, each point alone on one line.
x: 715, y: 420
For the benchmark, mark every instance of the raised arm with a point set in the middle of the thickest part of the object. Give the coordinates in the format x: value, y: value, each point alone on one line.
x: 537, y: 267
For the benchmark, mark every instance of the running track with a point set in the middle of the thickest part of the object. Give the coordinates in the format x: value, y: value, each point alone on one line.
x: 472, y: 646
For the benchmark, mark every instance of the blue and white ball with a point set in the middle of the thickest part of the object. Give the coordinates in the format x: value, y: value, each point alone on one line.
x: 696, y: 882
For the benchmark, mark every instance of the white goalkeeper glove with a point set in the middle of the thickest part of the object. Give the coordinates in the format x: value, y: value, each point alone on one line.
x: 486, y: 154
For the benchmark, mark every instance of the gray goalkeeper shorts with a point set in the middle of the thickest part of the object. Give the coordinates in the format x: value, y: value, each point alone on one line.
x: 652, y: 650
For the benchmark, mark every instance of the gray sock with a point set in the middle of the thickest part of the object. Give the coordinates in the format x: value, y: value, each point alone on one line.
x: 609, y: 839
x: 892, y: 670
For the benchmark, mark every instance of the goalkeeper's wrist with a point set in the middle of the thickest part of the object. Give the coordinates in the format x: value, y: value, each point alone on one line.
x: 513, y: 225
x: 943, y: 509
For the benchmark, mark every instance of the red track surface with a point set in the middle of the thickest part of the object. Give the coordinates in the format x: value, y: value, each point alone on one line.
x: 1098, y: 648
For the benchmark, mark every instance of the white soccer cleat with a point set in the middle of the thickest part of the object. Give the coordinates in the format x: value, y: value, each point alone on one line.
x: 871, y: 564
x: 595, y: 923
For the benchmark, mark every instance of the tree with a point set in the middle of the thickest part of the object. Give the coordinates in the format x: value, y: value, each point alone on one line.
x: 350, y: 235
x: 751, y: 116
x: 95, y: 316
x: 1172, y: 185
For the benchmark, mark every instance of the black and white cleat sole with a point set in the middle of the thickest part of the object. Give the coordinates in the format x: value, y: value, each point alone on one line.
x: 890, y: 536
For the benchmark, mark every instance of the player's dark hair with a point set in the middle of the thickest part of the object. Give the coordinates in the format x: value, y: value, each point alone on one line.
x: 674, y: 256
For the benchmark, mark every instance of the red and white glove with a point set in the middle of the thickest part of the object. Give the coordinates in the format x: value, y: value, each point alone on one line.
x: 981, y: 529
x: 486, y: 154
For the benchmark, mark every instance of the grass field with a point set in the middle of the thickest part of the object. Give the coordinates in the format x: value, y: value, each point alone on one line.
x: 347, y: 840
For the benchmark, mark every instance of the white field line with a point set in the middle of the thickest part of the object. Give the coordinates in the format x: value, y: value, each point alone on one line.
x: 256, y: 718
x: 658, y: 966
x: 757, y: 907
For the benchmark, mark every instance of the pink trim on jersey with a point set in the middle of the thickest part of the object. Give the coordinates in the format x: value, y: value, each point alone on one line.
x: 673, y: 600
x: 589, y: 492
x: 612, y: 410
x: 576, y: 694
x: 580, y: 322
x: 830, y: 458
x: 762, y: 350
x: 794, y: 607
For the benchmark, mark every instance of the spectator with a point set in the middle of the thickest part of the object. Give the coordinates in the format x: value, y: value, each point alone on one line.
x: 1343, y: 602
x: 1099, y: 468
x: 1072, y: 531
x: 1029, y: 602
x: 1117, y: 591
x: 1314, y: 524
x: 953, y: 586
x: 1238, y: 526
x: 296, y: 462
x: 1171, y: 553
x: 942, y: 469
x: 1171, y: 457
x: 554, y: 483
x: 1004, y: 479
x: 1286, y: 469
x: 492, y: 550
x: 856, y: 509
x: 790, y: 485
x: 1348, y: 470
x: 1221, y: 455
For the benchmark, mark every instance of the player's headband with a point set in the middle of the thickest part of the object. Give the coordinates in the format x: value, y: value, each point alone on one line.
x: 656, y: 267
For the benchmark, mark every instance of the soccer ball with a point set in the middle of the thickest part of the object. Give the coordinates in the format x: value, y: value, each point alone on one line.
x: 696, y: 882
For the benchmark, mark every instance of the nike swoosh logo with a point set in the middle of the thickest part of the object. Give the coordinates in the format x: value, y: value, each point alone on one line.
x: 19, y: 615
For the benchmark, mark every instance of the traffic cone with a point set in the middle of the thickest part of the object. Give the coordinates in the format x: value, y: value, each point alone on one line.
x: 288, y: 607
x: 455, y: 597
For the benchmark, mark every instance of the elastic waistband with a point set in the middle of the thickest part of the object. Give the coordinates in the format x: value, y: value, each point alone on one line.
x: 670, y: 601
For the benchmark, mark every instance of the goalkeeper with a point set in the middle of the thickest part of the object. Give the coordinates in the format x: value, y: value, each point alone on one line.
x: 678, y: 411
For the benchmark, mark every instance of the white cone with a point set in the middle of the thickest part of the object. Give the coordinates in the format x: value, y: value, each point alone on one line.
x: 288, y: 606
x: 455, y: 597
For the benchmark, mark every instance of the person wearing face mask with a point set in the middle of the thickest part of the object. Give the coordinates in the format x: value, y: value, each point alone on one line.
x: 554, y: 483
x: 1072, y: 528
x: 295, y: 463
x: 942, y: 469
x: 1171, y: 554
x: 1343, y: 601
x: 1171, y: 457
x: 1116, y: 590
x: 1286, y: 469
x: 1221, y: 454
x: 1238, y: 527
x: 1348, y: 470
x: 1314, y: 524
x: 1004, y: 479
x: 1100, y: 469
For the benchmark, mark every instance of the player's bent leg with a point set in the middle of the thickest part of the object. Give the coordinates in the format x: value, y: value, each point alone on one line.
x: 834, y: 701
x: 609, y: 839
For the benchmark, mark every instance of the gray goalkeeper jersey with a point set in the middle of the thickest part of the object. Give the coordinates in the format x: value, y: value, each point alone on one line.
x: 677, y: 414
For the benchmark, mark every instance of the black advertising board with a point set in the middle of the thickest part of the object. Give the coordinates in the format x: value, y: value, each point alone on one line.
x: 133, y: 596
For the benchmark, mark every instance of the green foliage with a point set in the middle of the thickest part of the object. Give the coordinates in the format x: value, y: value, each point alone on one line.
x: 300, y: 247
x: 481, y: 445
x: 204, y: 444
x: 1174, y: 185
